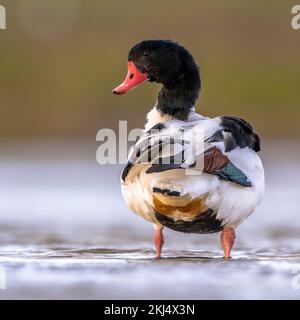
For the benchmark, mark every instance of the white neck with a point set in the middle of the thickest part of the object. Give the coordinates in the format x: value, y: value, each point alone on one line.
x: 154, y: 117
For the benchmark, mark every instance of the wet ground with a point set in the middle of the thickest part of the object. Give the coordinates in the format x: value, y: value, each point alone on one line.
x: 66, y: 233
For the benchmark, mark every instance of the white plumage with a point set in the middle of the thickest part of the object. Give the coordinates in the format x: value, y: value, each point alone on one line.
x: 231, y: 202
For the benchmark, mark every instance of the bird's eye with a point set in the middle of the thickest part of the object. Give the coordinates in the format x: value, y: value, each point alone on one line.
x: 146, y: 53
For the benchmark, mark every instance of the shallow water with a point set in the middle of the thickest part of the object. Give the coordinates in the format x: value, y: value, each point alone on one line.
x: 66, y: 233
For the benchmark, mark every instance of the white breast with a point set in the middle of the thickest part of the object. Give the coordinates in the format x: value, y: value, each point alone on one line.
x: 138, y: 196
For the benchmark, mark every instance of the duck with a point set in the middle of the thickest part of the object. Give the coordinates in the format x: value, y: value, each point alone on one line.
x: 172, y: 180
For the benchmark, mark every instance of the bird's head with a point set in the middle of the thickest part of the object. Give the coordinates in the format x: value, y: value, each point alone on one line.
x: 161, y: 61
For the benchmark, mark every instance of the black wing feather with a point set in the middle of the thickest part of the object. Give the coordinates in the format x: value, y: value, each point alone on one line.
x: 242, y: 134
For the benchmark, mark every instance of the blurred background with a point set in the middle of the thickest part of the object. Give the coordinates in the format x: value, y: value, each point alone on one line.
x: 59, y: 61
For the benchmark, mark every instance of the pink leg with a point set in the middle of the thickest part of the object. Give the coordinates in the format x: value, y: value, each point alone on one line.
x: 227, y: 240
x: 158, y: 241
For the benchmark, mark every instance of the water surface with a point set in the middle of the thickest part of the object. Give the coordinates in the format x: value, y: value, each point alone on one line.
x: 66, y: 233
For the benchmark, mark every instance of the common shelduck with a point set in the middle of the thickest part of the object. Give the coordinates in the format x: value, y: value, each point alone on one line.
x: 170, y: 181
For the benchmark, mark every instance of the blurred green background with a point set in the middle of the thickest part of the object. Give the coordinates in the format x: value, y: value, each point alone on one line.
x: 59, y: 61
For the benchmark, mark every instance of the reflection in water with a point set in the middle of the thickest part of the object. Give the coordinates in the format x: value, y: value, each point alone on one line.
x: 134, y: 273
x: 66, y: 233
